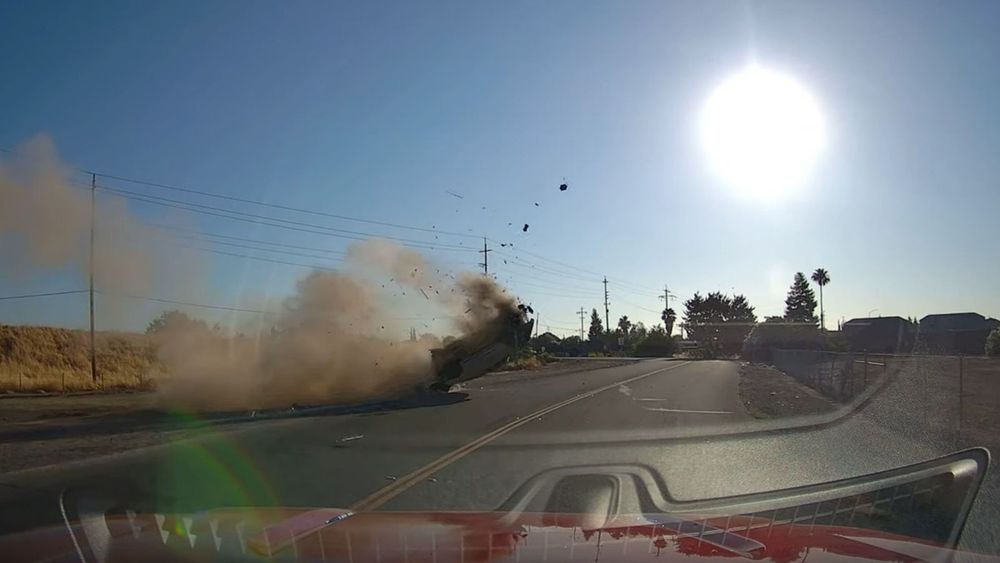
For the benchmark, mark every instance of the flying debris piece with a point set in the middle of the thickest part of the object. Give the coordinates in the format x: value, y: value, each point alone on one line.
x: 563, y: 187
x: 449, y: 192
x: 503, y: 244
x: 484, y: 208
x: 505, y: 261
x: 432, y: 480
x: 536, y: 204
x: 509, y: 224
x: 525, y: 228
x: 425, y: 294
x: 351, y: 438
x: 391, y: 477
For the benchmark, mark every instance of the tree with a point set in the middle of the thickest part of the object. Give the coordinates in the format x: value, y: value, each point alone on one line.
x: 624, y: 326
x: 174, y: 321
x: 718, y: 319
x: 596, y: 327
x: 800, y: 305
x: 993, y: 343
x: 668, y: 316
x: 639, y: 331
x: 821, y: 277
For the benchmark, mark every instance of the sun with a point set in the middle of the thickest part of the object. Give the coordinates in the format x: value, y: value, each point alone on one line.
x: 762, y: 132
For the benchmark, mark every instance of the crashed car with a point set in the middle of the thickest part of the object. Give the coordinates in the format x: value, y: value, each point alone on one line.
x: 472, y: 356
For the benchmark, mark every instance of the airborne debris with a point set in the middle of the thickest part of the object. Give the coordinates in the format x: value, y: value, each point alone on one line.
x: 432, y: 480
x: 536, y: 204
x: 391, y: 477
x: 563, y: 187
x: 351, y: 438
x: 425, y: 294
x: 449, y: 192
x: 525, y: 228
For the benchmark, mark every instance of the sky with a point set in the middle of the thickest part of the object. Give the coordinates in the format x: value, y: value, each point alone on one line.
x: 379, y: 110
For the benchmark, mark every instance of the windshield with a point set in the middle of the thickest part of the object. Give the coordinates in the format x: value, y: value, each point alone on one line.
x: 400, y: 257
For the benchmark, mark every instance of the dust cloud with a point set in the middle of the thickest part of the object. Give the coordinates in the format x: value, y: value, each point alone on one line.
x: 335, y: 339
x: 45, y: 221
x: 328, y: 344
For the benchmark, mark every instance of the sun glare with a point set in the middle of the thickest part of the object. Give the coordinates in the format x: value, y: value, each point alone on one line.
x: 762, y: 132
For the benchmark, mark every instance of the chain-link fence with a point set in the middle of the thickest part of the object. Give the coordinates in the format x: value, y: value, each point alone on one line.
x: 840, y: 376
x: 953, y: 394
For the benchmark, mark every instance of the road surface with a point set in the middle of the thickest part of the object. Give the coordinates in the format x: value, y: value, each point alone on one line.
x: 473, y: 448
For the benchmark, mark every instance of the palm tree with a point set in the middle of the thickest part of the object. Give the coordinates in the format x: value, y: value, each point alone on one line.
x: 668, y: 316
x: 821, y: 277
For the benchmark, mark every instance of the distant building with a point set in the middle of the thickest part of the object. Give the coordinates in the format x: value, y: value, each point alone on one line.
x: 889, y: 335
x: 954, y: 333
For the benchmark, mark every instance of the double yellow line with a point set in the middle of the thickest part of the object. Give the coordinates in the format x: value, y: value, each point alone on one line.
x: 387, y: 493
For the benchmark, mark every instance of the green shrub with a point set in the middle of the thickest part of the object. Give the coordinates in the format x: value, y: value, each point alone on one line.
x: 993, y: 343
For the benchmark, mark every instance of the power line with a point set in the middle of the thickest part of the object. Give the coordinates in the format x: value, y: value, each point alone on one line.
x: 203, y: 193
x: 639, y: 306
x: 411, y: 242
x: 269, y: 218
x: 420, y: 245
x: 197, y: 233
x: 572, y: 267
x: 252, y: 247
x: 188, y: 303
x: 580, y: 293
x: 49, y: 294
x: 282, y: 207
x: 262, y: 259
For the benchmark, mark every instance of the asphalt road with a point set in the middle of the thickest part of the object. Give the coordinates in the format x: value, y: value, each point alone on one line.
x: 473, y: 448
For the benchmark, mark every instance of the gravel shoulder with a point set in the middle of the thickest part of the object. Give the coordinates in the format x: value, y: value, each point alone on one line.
x: 768, y: 393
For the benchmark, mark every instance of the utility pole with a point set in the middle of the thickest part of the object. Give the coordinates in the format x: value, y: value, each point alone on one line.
x: 607, y: 316
x: 582, y: 312
x: 486, y: 258
x: 93, y: 216
x: 666, y: 297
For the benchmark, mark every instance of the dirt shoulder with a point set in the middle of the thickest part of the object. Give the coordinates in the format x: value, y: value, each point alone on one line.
x: 49, y: 429
x: 769, y: 393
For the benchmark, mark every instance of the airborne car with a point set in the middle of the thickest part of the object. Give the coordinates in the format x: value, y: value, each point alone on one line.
x: 472, y: 356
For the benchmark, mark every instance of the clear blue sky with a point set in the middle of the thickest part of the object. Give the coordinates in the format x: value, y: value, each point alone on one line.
x: 375, y: 110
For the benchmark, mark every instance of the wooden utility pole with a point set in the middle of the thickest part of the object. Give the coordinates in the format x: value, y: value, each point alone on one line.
x: 93, y: 218
x: 607, y: 315
x: 486, y: 258
x: 582, y: 312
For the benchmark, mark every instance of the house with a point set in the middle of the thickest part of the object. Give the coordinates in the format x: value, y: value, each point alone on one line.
x: 889, y: 335
x: 954, y: 333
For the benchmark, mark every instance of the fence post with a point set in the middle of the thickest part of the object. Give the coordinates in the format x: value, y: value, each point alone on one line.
x: 850, y: 363
x: 961, y: 374
x: 865, y: 386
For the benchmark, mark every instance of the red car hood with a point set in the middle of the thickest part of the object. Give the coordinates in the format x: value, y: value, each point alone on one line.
x: 307, y: 534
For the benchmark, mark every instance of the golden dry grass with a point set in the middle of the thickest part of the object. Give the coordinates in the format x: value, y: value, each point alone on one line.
x: 35, y: 358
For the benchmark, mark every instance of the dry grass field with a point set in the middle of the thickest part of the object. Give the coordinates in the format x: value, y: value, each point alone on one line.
x: 39, y: 358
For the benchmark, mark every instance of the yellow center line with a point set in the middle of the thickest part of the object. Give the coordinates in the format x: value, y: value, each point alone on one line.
x: 387, y: 493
